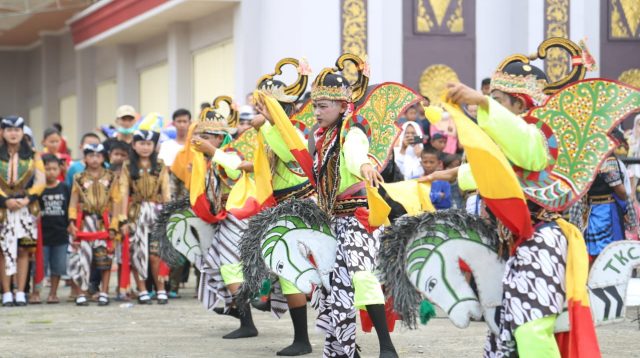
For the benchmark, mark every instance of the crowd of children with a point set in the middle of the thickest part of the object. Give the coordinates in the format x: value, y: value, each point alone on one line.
x: 88, y: 212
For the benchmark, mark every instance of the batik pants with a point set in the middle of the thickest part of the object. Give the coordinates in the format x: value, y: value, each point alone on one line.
x: 353, y: 286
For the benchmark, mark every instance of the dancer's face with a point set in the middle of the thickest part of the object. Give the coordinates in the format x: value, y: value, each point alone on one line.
x: 328, y: 112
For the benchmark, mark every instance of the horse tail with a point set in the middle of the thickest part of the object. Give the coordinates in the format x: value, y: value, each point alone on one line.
x: 168, y: 253
x: 406, y: 245
x: 264, y: 231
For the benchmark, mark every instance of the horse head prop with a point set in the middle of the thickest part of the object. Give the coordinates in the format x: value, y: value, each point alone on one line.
x: 291, y: 240
x: 424, y: 252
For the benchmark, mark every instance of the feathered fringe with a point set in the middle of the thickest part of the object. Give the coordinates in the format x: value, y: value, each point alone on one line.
x: 392, y: 257
x: 254, y: 269
x: 168, y: 253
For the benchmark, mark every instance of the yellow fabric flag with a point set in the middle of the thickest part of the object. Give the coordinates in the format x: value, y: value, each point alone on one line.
x: 289, y: 135
x: 413, y: 195
x: 577, y: 271
x: 183, y: 158
x: 378, y: 208
x: 248, y: 197
x: 196, y: 176
x: 496, y: 180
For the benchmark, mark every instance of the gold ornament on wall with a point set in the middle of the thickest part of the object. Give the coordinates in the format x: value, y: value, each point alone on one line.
x: 558, y: 62
x: 434, y: 80
x: 354, y: 33
x: 624, y: 19
x: 435, y: 16
x: 631, y: 77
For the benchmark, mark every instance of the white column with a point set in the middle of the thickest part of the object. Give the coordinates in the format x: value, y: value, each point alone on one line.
x: 247, y: 21
x: 86, y: 90
x: 384, y: 40
x: 127, y: 77
x: 180, y: 65
x: 49, y: 85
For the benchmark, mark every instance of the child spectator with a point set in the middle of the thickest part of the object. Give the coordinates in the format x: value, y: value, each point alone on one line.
x: 77, y: 166
x: 51, y: 143
x: 440, y: 190
x: 93, y: 207
x: 54, y: 203
x: 453, y: 161
x: 438, y: 141
x: 118, y: 154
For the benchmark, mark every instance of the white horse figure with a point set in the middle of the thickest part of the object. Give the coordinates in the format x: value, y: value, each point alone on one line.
x: 286, y: 248
x: 293, y: 241
x: 179, y: 229
x: 190, y: 235
x: 441, y: 240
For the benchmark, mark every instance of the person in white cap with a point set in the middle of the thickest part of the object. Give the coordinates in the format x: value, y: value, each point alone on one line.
x: 125, y: 122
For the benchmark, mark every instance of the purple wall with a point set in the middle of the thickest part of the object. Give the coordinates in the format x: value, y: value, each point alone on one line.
x: 421, y: 50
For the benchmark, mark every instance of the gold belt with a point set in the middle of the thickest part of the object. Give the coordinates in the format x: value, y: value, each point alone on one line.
x: 601, y: 199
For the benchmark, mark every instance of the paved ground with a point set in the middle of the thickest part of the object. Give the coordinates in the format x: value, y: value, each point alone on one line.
x: 184, y: 329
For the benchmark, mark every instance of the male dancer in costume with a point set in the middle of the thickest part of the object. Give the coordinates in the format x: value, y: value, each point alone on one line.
x: 534, y: 283
x: 341, y: 167
x: 221, y: 272
x: 287, y: 184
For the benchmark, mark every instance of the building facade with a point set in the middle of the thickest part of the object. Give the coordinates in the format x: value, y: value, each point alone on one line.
x: 160, y: 55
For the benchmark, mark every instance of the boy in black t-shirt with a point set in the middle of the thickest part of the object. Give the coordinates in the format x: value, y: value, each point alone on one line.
x: 54, y: 202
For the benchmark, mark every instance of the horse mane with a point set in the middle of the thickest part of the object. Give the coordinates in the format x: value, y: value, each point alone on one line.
x: 254, y: 268
x: 408, y: 232
x: 168, y: 253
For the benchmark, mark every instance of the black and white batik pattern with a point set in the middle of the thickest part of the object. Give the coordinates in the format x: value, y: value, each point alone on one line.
x: 223, y: 251
x: 533, y: 286
x: 18, y: 225
x: 140, y: 241
x: 356, y: 251
x: 80, y: 259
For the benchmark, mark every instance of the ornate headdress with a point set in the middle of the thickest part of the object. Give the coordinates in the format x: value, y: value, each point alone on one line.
x: 213, y: 121
x: 278, y: 89
x: 92, y: 148
x: 517, y: 76
x: 12, y: 122
x: 331, y: 85
x: 143, y: 134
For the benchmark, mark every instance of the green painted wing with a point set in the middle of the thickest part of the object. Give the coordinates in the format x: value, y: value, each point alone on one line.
x: 581, y: 115
x: 380, y: 109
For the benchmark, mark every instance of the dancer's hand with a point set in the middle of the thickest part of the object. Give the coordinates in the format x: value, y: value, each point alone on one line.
x: 203, y: 146
x: 125, y: 230
x: 261, y: 107
x: 12, y: 204
x: 257, y: 121
x: 72, y: 230
x: 444, y: 175
x: 246, y: 166
x: 462, y: 94
x: 370, y: 174
x: 22, y: 202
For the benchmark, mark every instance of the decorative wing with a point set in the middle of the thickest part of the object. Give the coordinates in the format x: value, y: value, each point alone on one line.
x: 377, y: 114
x: 576, y: 122
x: 304, y: 119
x: 244, y: 145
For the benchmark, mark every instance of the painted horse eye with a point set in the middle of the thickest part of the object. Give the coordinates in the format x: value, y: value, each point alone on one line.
x: 279, y: 266
x: 431, y: 284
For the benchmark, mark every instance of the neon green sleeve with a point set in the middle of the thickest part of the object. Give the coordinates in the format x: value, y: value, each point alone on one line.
x: 522, y: 143
x: 355, y: 149
x: 229, y: 162
x: 275, y: 141
x: 536, y: 339
x: 466, y: 182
